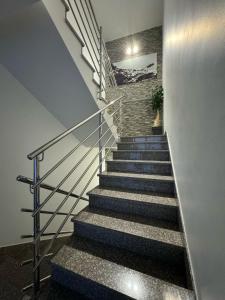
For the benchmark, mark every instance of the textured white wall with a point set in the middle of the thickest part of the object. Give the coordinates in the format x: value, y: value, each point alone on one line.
x: 24, y: 125
x: 194, y: 81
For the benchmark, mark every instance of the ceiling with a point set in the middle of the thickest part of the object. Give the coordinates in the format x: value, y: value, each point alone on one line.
x: 9, y: 7
x: 124, y: 17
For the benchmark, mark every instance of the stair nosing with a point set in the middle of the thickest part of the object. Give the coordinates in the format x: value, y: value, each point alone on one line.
x: 145, y: 142
x: 137, y: 176
x: 144, y: 136
x: 138, y: 150
x: 162, y: 162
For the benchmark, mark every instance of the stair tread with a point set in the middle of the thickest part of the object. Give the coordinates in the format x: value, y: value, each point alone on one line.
x: 162, y: 162
x: 128, y: 150
x: 138, y: 176
x: 151, y: 198
x: 144, y: 136
x: 138, y: 226
x: 144, y: 142
x: 100, y: 264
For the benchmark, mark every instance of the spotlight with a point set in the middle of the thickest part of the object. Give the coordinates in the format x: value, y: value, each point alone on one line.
x: 129, y: 51
x: 135, y: 49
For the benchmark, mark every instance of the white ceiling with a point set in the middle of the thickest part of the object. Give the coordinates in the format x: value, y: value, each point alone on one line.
x: 124, y: 17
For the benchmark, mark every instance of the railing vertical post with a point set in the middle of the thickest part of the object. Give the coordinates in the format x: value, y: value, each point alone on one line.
x: 100, y: 143
x: 100, y: 63
x: 36, y: 228
x: 100, y: 97
x: 120, y: 118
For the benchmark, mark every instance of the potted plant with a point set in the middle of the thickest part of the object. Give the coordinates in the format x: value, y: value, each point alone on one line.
x: 157, y: 104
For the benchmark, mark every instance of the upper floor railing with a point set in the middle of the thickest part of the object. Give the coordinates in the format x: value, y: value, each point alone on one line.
x: 81, y: 17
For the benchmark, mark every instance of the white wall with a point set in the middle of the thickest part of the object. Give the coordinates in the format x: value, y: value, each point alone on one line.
x: 34, y: 52
x: 194, y: 81
x: 24, y: 125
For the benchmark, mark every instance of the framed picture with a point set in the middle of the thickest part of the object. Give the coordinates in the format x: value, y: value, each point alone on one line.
x: 135, y: 69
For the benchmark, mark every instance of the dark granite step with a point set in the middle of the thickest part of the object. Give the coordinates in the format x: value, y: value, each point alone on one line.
x: 146, y: 205
x: 143, y: 146
x: 148, y: 138
x: 158, y: 239
x: 140, y: 166
x: 101, y: 272
x: 159, y: 155
x: 138, y: 182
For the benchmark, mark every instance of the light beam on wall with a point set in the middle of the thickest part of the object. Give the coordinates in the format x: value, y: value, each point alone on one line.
x: 132, y: 50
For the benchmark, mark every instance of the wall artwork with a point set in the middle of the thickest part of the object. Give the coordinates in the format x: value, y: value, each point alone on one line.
x: 135, y: 69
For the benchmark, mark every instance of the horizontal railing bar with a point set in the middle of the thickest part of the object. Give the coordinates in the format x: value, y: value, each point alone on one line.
x: 29, y: 261
x: 68, y: 174
x: 72, y: 209
x: 27, y: 236
x: 46, y: 186
x: 70, y: 153
x: 31, y: 285
x: 58, y: 138
x: 46, y: 212
x: 72, y: 189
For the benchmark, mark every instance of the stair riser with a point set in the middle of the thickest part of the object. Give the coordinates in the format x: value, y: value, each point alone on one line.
x: 84, y: 286
x: 143, y: 146
x: 158, y: 186
x: 141, y: 139
x: 156, y: 211
x: 148, y: 168
x: 155, y: 249
x: 136, y: 155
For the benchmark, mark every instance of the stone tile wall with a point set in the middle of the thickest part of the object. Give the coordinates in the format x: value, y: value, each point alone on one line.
x: 137, y: 114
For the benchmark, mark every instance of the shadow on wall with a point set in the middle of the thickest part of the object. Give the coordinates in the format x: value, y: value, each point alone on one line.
x: 34, y: 53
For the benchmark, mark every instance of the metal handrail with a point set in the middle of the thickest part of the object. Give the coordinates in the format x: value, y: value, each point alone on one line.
x: 65, y: 199
x: 61, y: 136
x: 45, y: 186
x: 67, y: 176
x: 70, y: 212
x: 71, y: 152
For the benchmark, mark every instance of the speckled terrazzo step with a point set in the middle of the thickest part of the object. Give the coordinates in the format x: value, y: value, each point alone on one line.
x: 148, y: 138
x: 140, y: 166
x: 101, y: 272
x: 146, y: 205
x: 160, y: 240
x: 162, y: 155
x: 138, y: 182
x: 143, y: 146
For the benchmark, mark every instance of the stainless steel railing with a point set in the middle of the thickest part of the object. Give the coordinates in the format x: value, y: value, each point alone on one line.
x: 91, y: 36
x: 37, y: 183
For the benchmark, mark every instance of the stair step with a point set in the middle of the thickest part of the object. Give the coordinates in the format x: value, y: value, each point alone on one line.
x: 148, y: 138
x: 160, y: 240
x: 159, y: 155
x: 140, y: 166
x: 143, y: 146
x: 101, y: 272
x: 146, y: 205
x: 138, y: 182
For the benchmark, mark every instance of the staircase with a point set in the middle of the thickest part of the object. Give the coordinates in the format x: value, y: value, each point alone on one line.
x: 127, y: 244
